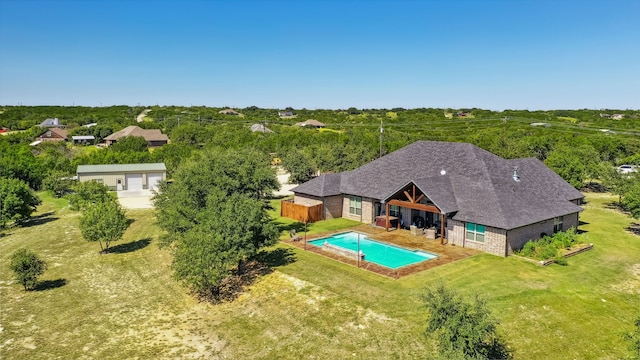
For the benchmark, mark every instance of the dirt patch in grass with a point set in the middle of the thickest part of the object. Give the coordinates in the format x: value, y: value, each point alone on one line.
x: 631, y: 285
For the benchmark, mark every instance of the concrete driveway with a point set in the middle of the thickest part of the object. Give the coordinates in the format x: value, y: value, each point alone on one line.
x: 285, y: 187
x: 136, y: 199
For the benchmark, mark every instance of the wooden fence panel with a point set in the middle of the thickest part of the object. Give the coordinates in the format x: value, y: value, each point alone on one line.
x: 300, y: 212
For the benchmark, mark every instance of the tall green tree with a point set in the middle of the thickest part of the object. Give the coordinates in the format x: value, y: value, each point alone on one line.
x: 215, y: 216
x: 228, y: 232
x: 27, y: 267
x: 88, y: 193
x: 299, y: 166
x: 464, y: 330
x: 131, y: 143
x: 228, y: 172
x: 104, y: 222
x: 17, y: 201
x: 631, y: 199
x: 58, y: 182
x: 18, y: 162
x: 575, y: 164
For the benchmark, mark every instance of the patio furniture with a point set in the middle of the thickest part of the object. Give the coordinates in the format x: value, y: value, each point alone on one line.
x: 415, y: 230
x: 294, y: 236
x: 431, y: 233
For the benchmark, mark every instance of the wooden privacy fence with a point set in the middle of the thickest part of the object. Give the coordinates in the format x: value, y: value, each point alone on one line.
x: 300, y: 212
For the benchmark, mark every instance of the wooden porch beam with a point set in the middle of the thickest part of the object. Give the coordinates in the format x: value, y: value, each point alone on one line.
x: 406, y: 193
x: 419, y: 198
x: 415, y: 206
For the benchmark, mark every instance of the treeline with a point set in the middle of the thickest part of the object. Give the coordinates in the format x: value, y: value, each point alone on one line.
x: 572, y: 144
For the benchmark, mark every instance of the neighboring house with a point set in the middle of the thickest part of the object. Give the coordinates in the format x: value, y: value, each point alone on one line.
x: 617, y: 116
x: 260, y: 128
x: 471, y: 197
x: 311, y: 123
x: 83, y: 139
x: 606, y: 116
x: 154, y: 137
x: 463, y: 114
x: 540, y: 124
x: 53, y: 134
x: 285, y: 113
x: 228, y: 112
x: 124, y: 176
x: 55, y: 122
x: 90, y: 125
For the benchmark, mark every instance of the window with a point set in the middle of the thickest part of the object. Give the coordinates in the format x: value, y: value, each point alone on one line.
x: 100, y: 181
x: 355, y: 205
x: 557, y: 224
x: 475, y: 232
x: 394, y: 210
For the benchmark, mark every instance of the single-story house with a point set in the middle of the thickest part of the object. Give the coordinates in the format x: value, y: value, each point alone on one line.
x: 124, y: 176
x: 228, y: 112
x: 55, y: 122
x: 154, y: 137
x: 53, y: 134
x: 469, y: 196
x: 311, y: 123
x: 285, y: 113
x: 260, y: 128
x: 540, y: 124
x: 83, y: 139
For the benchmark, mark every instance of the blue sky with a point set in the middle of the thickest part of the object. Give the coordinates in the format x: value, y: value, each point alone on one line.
x: 493, y: 54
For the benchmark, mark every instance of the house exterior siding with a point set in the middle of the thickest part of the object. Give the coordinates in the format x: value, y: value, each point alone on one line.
x: 494, y: 238
x: 307, y: 200
x: 367, y: 215
x: 518, y: 237
x: 332, y: 204
x: 333, y: 207
x: 110, y: 179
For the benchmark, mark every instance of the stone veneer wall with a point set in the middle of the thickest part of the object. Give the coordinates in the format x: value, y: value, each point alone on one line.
x: 333, y: 207
x: 368, y: 212
x: 494, y: 238
x: 518, y: 237
x: 307, y: 200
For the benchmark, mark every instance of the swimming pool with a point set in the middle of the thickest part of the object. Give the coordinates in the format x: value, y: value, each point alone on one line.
x: 376, y: 252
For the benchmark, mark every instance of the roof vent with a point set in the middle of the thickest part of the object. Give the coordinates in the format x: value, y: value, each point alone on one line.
x: 443, y: 172
x: 515, y: 175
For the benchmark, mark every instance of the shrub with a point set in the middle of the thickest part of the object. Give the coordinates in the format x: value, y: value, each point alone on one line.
x: 27, y: 266
x: 548, y: 247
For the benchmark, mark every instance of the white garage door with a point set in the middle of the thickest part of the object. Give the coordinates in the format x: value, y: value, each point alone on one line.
x: 134, y: 181
x: 154, y: 180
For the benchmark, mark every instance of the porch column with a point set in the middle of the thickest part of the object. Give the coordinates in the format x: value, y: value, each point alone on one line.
x: 386, y: 214
x: 441, y: 228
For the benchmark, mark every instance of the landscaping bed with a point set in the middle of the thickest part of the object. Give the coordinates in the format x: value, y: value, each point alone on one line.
x: 554, y: 249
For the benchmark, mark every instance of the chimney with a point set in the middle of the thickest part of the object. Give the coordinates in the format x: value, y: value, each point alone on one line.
x: 515, y: 175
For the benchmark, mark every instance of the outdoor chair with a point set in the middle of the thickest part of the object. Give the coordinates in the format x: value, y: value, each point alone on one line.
x: 294, y: 236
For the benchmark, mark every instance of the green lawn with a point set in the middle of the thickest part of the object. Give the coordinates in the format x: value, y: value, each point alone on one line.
x: 126, y: 305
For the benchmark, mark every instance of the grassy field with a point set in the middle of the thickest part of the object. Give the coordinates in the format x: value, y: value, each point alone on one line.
x: 126, y: 305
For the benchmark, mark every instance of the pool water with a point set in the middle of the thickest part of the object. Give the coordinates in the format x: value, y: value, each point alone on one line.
x: 376, y: 252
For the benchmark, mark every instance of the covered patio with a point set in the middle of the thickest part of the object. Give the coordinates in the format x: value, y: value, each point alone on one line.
x: 413, y: 198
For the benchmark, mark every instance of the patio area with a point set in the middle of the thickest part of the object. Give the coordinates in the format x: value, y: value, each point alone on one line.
x: 403, y: 238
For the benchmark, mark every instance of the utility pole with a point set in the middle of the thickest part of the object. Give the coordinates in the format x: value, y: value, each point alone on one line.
x: 381, y: 131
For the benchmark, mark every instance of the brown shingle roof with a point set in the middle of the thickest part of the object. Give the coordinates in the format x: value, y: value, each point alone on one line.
x: 147, y: 134
x: 311, y: 122
x: 60, y: 132
x: 463, y: 179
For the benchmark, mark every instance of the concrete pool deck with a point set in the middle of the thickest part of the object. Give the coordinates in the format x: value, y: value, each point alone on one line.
x: 403, y: 238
